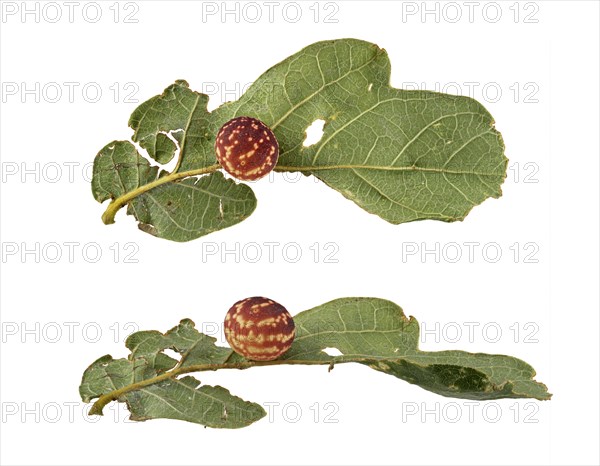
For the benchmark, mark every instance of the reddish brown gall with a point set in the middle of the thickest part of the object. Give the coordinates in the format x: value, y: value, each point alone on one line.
x: 246, y: 148
x: 259, y: 329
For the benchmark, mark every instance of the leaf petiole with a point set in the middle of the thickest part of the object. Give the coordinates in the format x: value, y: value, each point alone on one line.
x: 108, y: 216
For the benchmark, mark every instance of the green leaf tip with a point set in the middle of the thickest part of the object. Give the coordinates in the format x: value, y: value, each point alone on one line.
x: 402, y: 155
x: 369, y: 331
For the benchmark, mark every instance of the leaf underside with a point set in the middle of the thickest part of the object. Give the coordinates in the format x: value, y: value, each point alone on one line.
x: 370, y: 331
x: 399, y: 154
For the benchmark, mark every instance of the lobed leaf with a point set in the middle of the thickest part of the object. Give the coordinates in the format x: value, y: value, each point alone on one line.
x: 369, y: 331
x: 180, y: 211
x: 402, y: 155
x: 172, y: 398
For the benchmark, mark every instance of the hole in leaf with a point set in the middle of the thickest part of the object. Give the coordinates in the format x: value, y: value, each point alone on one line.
x: 173, y: 354
x: 170, y: 166
x: 332, y: 352
x: 370, y: 87
x: 314, y: 133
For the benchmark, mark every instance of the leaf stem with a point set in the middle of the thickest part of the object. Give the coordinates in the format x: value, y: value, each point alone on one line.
x: 103, y: 400
x: 410, y: 168
x: 108, y: 216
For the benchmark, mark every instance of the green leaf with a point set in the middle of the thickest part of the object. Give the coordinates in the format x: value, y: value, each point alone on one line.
x: 369, y: 331
x: 402, y: 155
x: 193, y: 207
x: 180, y: 113
x: 180, y: 211
x: 182, y: 399
x: 119, y: 169
x: 194, y: 347
x: 178, y: 205
x: 378, y: 331
x: 170, y: 398
x: 105, y: 375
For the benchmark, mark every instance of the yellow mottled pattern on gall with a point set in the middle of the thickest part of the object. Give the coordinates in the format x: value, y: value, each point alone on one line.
x: 259, y: 329
x: 246, y: 148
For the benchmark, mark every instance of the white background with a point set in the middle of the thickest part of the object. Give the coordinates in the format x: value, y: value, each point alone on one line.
x: 552, y: 297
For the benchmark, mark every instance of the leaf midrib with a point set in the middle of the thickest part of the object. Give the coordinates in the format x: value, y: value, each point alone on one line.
x: 311, y: 168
